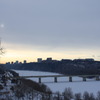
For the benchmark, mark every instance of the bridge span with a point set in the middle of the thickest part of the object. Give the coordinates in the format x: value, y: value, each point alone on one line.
x: 70, y: 77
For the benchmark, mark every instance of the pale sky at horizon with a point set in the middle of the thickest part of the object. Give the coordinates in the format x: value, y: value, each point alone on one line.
x: 50, y: 28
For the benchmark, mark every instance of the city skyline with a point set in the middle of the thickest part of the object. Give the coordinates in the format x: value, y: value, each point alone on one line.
x: 50, y: 60
x: 57, y: 29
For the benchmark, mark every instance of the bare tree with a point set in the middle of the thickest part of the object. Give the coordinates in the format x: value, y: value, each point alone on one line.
x: 1, y: 48
x: 68, y: 94
x: 86, y: 96
x: 92, y: 97
x: 98, y: 96
x: 78, y: 96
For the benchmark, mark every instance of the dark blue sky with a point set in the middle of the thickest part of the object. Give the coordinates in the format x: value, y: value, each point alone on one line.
x: 50, y: 26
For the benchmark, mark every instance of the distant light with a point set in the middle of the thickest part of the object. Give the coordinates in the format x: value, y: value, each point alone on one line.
x: 2, y: 25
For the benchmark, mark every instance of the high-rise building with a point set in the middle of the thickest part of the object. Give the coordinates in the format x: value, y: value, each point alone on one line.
x: 39, y: 60
x: 12, y: 62
x: 16, y: 62
x: 49, y: 59
x: 25, y: 61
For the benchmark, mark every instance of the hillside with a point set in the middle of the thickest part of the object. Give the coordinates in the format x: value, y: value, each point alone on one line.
x: 12, y: 87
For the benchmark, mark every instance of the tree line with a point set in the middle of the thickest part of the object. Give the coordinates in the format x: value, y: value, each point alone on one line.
x: 75, y: 67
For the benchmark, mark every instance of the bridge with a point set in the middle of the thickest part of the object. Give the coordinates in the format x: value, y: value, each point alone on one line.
x: 70, y: 77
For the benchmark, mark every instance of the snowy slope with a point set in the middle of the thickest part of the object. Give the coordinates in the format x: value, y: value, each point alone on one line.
x: 77, y: 85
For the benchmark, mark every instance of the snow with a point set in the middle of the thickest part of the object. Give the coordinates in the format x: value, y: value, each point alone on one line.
x: 91, y: 85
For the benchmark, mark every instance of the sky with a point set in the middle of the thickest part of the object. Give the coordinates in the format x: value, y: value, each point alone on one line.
x: 61, y: 29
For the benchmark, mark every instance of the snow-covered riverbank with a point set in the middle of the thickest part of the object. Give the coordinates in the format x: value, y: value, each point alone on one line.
x: 77, y: 85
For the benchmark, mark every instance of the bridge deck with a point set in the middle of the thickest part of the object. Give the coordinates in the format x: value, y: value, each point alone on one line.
x: 43, y: 76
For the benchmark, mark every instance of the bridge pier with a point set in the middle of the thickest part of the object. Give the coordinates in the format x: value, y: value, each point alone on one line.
x: 70, y: 78
x: 55, y: 79
x: 39, y: 79
x: 97, y: 78
x: 84, y: 78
